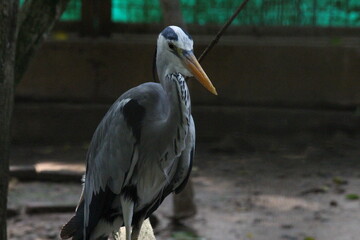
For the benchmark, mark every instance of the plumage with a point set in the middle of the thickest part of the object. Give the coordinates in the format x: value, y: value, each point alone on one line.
x: 142, y: 149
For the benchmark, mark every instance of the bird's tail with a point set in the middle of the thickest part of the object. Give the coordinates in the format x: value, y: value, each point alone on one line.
x: 74, y: 228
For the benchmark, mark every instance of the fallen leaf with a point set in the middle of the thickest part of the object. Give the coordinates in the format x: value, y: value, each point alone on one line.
x: 249, y: 236
x: 339, y: 181
x: 183, y: 235
x: 309, y: 238
x: 352, y: 196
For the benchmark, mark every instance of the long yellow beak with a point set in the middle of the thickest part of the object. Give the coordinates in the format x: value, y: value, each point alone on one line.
x: 194, y: 67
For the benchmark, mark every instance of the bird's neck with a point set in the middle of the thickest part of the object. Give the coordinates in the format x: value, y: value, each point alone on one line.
x: 175, y: 87
x: 180, y: 113
x: 178, y: 92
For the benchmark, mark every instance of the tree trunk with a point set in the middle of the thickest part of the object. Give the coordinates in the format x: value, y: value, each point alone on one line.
x: 172, y: 13
x: 8, y: 14
x: 19, y: 38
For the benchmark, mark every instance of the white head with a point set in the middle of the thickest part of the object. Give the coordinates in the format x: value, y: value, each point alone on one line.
x: 175, y: 55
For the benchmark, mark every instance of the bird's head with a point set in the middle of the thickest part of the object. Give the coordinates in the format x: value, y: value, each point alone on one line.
x: 175, y: 55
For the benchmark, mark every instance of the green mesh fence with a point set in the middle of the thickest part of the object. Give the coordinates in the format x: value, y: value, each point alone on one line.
x: 136, y: 11
x: 335, y: 13
x: 326, y: 13
x: 72, y: 13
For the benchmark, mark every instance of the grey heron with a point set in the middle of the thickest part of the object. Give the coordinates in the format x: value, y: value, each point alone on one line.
x: 142, y: 149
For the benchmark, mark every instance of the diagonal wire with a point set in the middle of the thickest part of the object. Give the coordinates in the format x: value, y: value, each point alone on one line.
x: 222, y: 30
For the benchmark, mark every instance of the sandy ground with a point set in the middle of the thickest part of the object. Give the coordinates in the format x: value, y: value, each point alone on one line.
x: 247, y: 188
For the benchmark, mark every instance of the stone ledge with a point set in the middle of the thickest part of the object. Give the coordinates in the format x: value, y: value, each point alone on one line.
x: 30, y: 173
x: 296, y: 70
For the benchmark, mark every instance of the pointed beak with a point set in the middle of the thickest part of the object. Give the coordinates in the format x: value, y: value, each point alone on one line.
x: 194, y: 67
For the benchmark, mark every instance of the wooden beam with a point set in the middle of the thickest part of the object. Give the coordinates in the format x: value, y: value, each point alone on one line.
x: 96, y: 18
x: 87, y: 25
x: 104, y: 18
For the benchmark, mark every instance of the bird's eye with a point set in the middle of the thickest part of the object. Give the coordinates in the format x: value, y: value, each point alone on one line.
x: 171, y: 46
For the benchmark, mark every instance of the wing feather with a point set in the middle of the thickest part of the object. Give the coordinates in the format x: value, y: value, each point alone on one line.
x: 111, y: 157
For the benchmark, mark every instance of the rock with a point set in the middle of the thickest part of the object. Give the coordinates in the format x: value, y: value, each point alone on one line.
x: 52, y: 235
x: 287, y: 226
x: 333, y: 203
x: 146, y: 232
x: 23, y: 172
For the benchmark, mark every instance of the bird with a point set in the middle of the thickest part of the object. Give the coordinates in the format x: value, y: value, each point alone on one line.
x: 143, y: 148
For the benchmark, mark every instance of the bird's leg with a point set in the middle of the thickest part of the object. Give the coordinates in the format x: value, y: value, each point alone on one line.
x: 136, y: 230
x: 128, y: 209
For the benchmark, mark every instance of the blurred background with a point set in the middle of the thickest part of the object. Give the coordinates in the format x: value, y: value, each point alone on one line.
x: 277, y: 149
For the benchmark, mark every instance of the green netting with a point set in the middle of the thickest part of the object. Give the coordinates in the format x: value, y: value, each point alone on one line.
x: 72, y: 13
x: 336, y: 13
x: 136, y: 11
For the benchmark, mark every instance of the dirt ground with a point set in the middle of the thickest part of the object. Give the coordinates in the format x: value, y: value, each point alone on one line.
x: 303, y: 187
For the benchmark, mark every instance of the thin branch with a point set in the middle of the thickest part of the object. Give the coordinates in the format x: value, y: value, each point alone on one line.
x: 222, y: 30
x: 36, y: 19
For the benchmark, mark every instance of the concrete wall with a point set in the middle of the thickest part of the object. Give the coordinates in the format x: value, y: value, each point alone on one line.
x: 262, y: 84
x: 293, y: 71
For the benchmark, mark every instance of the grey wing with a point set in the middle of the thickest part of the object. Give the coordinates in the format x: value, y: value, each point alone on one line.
x: 111, y: 159
x: 113, y: 145
x: 112, y: 155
